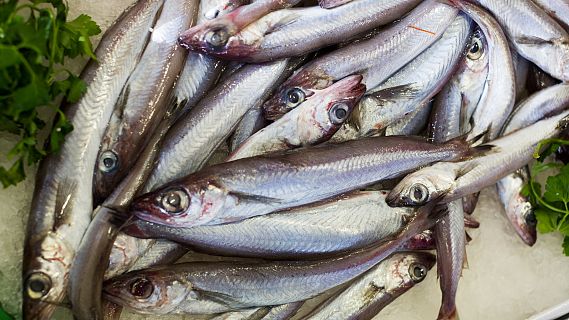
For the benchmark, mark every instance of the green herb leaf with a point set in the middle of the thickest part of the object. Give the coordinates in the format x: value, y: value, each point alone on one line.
x: 546, y: 220
x: 4, y: 315
x: 557, y: 187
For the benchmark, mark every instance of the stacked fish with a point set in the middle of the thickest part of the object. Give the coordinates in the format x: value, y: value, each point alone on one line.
x: 327, y: 145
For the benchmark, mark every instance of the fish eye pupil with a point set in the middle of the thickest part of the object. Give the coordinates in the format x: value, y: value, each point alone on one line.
x: 530, y: 219
x: 108, y: 162
x: 142, y: 288
x: 341, y: 113
x: 37, y: 286
x: 293, y: 97
x: 417, y: 193
x: 417, y: 272
x: 173, y: 199
x: 217, y: 38
x: 475, y: 48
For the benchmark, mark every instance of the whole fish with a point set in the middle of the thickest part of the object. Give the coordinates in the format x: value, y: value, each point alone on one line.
x: 206, y: 126
x: 499, y: 94
x: 448, y: 181
x: 377, y: 288
x: 519, y: 211
x: 536, y: 36
x: 145, y: 98
x: 408, y: 89
x: 249, y: 187
x: 334, y: 226
x: 206, y: 287
x: 216, y: 33
x: 376, y: 58
x: 449, y: 231
x: 311, y: 123
x: 296, y: 31
x: 558, y: 9
x: 63, y: 201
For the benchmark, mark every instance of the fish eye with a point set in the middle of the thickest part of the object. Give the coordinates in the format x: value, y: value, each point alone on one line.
x: 419, y: 193
x: 417, y: 272
x: 530, y: 219
x: 294, y: 97
x: 37, y: 285
x: 175, y: 201
x: 338, y: 113
x: 476, y: 49
x: 108, y: 161
x: 217, y: 38
x: 142, y: 288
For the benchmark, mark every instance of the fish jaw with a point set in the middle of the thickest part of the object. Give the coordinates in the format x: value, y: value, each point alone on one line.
x: 47, y: 270
x: 202, y: 205
x: 521, y: 213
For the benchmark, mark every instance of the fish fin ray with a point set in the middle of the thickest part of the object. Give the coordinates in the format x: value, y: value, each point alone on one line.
x: 255, y: 197
x: 533, y: 41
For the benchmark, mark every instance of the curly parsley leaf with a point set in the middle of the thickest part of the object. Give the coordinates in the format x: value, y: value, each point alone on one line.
x: 35, y: 41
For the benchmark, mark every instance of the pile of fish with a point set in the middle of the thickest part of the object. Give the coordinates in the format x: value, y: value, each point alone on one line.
x: 331, y: 146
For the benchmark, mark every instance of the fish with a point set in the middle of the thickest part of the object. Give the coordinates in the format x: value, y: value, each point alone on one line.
x: 252, y: 122
x: 499, y: 94
x: 244, y: 188
x: 534, y: 34
x: 448, y: 181
x: 62, y: 201
x: 295, y: 32
x: 518, y: 209
x: 334, y: 226
x: 376, y: 58
x: 377, y: 288
x: 311, y: 123
x: 214, y: 34
x: 558, y: 9
x: 408, y: 89
x: 145, y: 98
x: 206, y: 287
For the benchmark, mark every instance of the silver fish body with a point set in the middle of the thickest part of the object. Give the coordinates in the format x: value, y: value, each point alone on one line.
x: 297, y: 31
x: 536, y: 36
x: 311, y: 123
x: 244, y: 188
x: 408, y: 89
x: 145, y: 98
x: 558, y: 9
x: 252, y: 122
x: 62, y: 203
x: 449, y: 181
x: 339, y: 225
x: 376, y: 59
x: 377, y: 288
x: 412, y: 124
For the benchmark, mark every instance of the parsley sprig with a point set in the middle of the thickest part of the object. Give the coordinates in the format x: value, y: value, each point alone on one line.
x: 35, y: 41
x: 552, y: 205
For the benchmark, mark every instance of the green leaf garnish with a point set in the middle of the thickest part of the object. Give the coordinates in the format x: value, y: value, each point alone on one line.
x: 35, y: 40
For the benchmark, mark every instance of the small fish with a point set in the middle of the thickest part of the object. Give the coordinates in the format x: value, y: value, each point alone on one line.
x: 377, y: 288
x: 448, y: 181
x: 376, y: 58
x: 244, y: 188
x: 311, y: 123
x: 214, y: 287
x: 290, y: 32
x: 63, y: 197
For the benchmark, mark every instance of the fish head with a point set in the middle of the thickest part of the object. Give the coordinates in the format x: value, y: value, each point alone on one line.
x: 296, y: 90
x: 107, y: 174
x: 408, y: 269
x: 180, y: 205
x: 524, y: 221
x: 149, y: 292
x: 328, y: 109
x: 45, y: 275
x: 211, y: 37
x: 421, y: 187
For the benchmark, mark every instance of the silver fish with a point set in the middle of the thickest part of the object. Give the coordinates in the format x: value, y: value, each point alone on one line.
x: 297, y: 31
x: 448, y: 181
x: 499, y: 95
x: 339, y: 225
x: 311, y: 123
x: 63, y: 202
x: 205, y: 288
x: 377, y: 288
x: 536, y: 36
x: 249, y: 187
x: 376, y: 58
x: 408, y: 89
x: 412, y: 124
x: 519, y: 211
x: 145, y: 98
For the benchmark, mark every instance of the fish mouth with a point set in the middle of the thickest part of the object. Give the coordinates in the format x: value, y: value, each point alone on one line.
x: 393, y: 200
